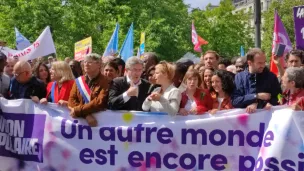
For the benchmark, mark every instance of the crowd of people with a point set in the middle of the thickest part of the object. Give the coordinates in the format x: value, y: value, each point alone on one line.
x: 99, y: 83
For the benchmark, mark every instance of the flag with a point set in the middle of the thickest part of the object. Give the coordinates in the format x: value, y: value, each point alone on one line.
x: 112, y: 46
x: 43, y: 46
x: 126, y: 50
x: 299, y: 26
x: 21, y: 41
x: 280, y: 36
x: 142, y: 45
x: 197, y: 40
x: 242, y: 51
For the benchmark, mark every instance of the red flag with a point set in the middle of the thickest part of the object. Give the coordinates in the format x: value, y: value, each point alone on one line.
x: 280, y: 36
x: 197, y: 40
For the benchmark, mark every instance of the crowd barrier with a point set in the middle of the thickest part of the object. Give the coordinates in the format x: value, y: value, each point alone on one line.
x: 45, y: 137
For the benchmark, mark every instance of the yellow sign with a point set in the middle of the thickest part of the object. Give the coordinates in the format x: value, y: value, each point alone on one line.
x: 82, y: 48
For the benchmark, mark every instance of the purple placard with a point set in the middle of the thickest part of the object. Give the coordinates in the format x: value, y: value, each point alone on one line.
x: 21, y: 136
x: 298, y: 14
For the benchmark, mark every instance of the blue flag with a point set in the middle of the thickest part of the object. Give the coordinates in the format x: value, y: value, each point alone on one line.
x: 21, y: 41
x: 126, y: 50
x: 242, y: 51
x: 112, y: 46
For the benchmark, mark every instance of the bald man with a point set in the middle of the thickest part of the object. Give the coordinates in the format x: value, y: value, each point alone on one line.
x: 24, y: 85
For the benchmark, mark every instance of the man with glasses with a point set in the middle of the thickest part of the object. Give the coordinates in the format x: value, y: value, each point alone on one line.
x: 129, y: 92
x: 4, y: 79
x: 90, y: 92
x: 24, y: 85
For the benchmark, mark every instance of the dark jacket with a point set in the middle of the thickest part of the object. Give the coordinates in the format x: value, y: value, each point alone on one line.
x: 99, y: 87
x: 35, y: 87
x: 118, y: 87
x: 247, y: 86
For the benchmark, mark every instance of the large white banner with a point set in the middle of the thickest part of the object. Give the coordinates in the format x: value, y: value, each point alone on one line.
x: 43, y: 46
x: 37, y: 137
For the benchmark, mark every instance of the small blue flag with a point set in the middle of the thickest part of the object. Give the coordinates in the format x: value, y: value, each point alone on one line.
x: 126, y: 50
x: 242, y: 51
x: 21, y: 41
x: 112, y: 46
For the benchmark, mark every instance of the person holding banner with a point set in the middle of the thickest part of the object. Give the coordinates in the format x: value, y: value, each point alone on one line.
x: 222, y: 86
x: 194, y: 100
x: 130, y: 91
x: 256, y: 87
x: 166, y: 98
x: 59, y: 90
x: 293, y: 82
x: 24, y: 85
x: 89, y: 93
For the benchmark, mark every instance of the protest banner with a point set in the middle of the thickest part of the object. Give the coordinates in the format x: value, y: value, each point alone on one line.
x: 38, y: 137
x: 82, y: 48
x: 43, y: 46
x: 298, y: 14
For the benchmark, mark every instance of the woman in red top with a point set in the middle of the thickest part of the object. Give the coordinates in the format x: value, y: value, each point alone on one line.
x: 59, y: 90
x: 194, y: 101
x: 222, y: 88
x: 292, y: 81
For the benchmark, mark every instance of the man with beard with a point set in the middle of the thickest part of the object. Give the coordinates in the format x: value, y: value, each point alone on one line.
x: 211, y: 59
x: 256, y: 87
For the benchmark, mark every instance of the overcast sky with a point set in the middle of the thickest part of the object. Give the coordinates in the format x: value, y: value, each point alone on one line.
x: 201, y: 3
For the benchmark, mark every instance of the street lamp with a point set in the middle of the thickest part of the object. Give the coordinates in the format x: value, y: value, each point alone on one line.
x: 257, y: 14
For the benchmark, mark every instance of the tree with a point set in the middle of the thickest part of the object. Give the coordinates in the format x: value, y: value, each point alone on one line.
x: 166, y: 23
x: 285, y: 11
x: 225, y: 30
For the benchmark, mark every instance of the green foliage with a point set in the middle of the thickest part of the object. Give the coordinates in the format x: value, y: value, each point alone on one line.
x: 166, y: 23
x: 285, y: 11
x: 225, y: 30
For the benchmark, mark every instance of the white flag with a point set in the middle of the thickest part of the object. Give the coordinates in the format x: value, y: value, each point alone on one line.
x: 43, y: 46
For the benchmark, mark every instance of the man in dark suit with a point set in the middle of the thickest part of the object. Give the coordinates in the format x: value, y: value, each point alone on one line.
x: 129, y: 92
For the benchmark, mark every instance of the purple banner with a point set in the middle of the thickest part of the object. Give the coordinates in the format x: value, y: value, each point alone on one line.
x: 299, y: 26
x: 21, y: 136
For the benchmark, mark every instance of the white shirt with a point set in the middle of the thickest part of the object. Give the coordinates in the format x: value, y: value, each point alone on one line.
x: 169, y: 101
x: 190, y: 105
x: 220, y: 100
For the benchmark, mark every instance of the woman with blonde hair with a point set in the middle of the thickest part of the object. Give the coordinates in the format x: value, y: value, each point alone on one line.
x: 167, y: 97
x: 59, y: 90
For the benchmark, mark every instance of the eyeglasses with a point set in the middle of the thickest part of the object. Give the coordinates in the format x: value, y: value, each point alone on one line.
x: 17, y: 75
